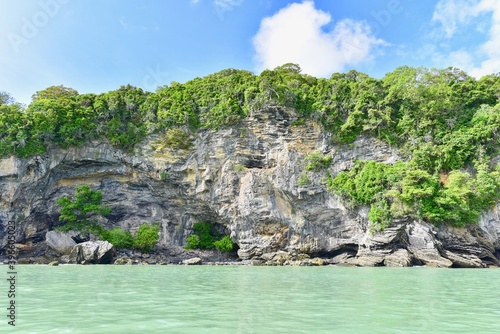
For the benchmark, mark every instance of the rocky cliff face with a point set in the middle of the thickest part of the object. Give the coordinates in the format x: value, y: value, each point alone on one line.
x: 245, y: 179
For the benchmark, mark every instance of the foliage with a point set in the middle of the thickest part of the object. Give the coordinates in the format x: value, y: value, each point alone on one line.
x: 206, y: 233
x: 239, y: 168
x: 118, y: 237
x: 5, y: 98
x: 146, y: 237
x: 206, y: 237
x: 225, y: 244
x: 380, y: 215
x: 177, y: 139
x: 303, y: 180
x: 81, y: 214
x: 400, y: 190
x: 316, y: 161
x: 54, y: 93
x: 193, y: 242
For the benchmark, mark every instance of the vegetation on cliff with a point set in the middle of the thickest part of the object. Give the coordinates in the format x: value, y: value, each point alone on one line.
x: 205, y: 236
x: 83, y: 213
x: 444, y: 122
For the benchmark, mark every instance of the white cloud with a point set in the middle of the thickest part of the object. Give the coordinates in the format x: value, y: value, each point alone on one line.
x: 295, y: 35
x: 225, y: 5
x: 124, y: 23
x: 454, y: 15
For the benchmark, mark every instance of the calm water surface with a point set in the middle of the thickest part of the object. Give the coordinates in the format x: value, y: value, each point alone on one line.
x: 207, y: 299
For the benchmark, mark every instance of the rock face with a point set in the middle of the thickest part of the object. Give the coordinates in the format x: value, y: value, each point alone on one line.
x: 60, y: 242
x: 245, y: 179
x: 92, y: 252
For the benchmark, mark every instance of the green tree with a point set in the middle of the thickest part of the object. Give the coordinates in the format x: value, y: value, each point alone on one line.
x: 317, y: 161
x: 55, y: 93
x: 5, y: 98
x: 118, y: 237
x: 206, y: 237
x: 147, y: 236
x: 82, y: 213
x: 225, y: 244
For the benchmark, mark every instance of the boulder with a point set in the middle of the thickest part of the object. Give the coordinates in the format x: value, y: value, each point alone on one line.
x: 123, y: 261
x: 247, y: 252
x: 92, y: 252
x: 464, y: 260
x: 192, y: 261
x: 60, y: 242
x: 425, y: 247
x: 367, y: 260
x: 317, y: 261
x: 399, y: 258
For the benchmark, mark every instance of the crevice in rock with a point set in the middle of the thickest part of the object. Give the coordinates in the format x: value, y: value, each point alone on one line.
x: 348, y: 249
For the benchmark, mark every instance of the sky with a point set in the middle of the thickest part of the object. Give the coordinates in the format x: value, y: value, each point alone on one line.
x: 95, y: 46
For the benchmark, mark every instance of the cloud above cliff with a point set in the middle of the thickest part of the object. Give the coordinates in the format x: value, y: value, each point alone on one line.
x: 455, y: 18
x: 297, y: 34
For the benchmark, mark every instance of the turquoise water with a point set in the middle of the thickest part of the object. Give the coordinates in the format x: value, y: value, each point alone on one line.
x: 226, y: 299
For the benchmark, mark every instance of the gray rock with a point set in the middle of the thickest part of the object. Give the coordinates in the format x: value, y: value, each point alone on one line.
x: 92, y: 252
x: 60, y: 242
x: 368, y: 260
x: 342, y: 258
x: 123, y: 261
x: 424, y: 246
x: 399, y: 258
x: 256, y: 263
x: 317, y: 261
x: 253, y: 251
x: 54, y: 263
x: 192, y: 261
x: 465, y: 260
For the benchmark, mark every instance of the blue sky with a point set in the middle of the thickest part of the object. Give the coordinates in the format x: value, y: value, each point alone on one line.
x: 98, y: 45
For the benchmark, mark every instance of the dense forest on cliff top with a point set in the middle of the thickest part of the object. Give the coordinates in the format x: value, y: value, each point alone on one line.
x: 445, y: 123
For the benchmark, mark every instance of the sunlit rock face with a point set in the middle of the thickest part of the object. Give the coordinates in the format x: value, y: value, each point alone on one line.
x: 245, y: 179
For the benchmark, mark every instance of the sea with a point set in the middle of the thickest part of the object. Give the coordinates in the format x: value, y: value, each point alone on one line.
x: 248, y: 299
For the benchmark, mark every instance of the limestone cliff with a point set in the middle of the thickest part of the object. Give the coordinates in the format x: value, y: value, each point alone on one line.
x: 244, y: 178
